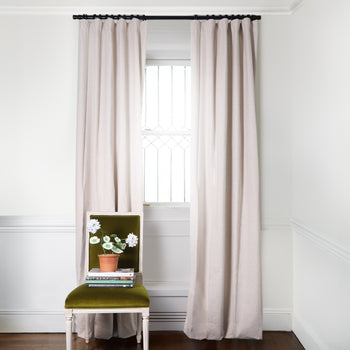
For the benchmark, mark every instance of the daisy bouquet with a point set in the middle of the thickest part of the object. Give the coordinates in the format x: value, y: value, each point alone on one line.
x: 109, y: 242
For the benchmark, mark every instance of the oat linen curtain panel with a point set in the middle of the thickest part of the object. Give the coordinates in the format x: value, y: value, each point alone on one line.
x: 225, y: 292
x: 108, y: 159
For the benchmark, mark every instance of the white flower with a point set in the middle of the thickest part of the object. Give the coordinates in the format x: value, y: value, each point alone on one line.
x: 93, y: 225
x: 107, y: 246
x: 106, y: 239
x: 94, y: 240
x: 131, y: 240
x: 117, y: 239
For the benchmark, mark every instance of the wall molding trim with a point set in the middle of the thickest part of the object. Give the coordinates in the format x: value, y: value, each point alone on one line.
x: 305, y: 335
x: 319, y: 239
x: 160, y: 321
x: 275, y: 223
x: 37, y: 225
x: 295, y: 5
x: 58, y: 224
x: 275, y: 319
x: 52, y: 321
x: 167, y: 288
x: 271, y: 7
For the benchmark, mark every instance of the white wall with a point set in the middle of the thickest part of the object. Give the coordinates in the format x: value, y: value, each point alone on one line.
x: 38, y: 91
x: 320, y: 106
x: 275, y: 171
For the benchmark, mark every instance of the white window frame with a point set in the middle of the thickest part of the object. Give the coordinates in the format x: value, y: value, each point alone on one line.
x: 166, y: 62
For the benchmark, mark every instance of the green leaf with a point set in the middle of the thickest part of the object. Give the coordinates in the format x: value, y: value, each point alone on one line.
x: 94, y: 240
x: 107, y: 246
x: 116, y: 250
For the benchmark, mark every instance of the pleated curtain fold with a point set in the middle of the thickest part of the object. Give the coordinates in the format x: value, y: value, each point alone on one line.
x: 225, y: 291
x: 108, y: 152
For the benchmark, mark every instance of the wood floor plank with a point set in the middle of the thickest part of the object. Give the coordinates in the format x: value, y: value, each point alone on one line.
x: 158, y: 341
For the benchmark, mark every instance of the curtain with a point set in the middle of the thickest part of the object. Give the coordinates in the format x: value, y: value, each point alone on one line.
x: 108, y: 158
x: 225, y: 291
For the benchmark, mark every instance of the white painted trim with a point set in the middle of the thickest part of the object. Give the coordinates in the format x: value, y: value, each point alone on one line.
x: 28, y: 225
x: 39, y: 320
x: 36, y: 222
x: 295, y: 5
x: 319, y: 239
x: 32, y: 312
x: 66, y: 223
x: 166, y: 289
x: 275, y: 223
x: 152, y: 10
x: 275, y: 319
x: 166, y: 214
x: 166, y: 235
x: 168, y: 62
x: 308, y: 338
x: 47, y: 231
x: 51, y: 225
x: 175, y: 316
x: 125, y: 310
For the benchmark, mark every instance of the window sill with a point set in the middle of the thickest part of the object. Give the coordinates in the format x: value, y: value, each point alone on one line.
x: 166, y: 204
x: 166, y: 212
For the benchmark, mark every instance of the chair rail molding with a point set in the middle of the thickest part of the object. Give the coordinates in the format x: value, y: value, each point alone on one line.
x: 37, y: 224
x: 319, y: 239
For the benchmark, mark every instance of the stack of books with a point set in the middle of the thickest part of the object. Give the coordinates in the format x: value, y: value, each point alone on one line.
x: 122, y: 278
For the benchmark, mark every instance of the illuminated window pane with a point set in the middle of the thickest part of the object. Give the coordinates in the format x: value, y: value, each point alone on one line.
x: 166, y: 133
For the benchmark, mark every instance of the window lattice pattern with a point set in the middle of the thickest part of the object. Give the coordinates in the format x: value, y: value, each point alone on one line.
x: 166, y: 133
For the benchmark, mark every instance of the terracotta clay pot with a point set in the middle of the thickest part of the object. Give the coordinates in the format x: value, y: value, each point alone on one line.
x: 108, y: 262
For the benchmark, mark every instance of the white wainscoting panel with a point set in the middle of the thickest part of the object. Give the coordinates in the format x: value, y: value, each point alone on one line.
x: 32, y: 293
x: 321, y: 290
x: 277, y: 274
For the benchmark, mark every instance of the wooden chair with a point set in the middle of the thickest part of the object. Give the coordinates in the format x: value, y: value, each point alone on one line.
x: 84, y: 299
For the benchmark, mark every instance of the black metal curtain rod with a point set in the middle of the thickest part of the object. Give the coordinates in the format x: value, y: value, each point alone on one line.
x: 146, y: 17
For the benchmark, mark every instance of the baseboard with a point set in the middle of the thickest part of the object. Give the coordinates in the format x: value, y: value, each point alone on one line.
x: 32, y: 321
x: 306, y: 336
x: 277, y: 319
x: 52, y: 321
x: 167, y: 321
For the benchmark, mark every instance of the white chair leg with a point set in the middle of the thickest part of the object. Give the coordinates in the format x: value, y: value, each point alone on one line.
x: 139, y: 328
x: 87, y: 329
x: 145, y: 326
x: 69, y: 317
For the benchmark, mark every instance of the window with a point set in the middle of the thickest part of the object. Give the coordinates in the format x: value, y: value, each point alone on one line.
x: 166, y: 127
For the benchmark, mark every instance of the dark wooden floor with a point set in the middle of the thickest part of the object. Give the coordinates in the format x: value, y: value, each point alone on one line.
x: 158, y: 341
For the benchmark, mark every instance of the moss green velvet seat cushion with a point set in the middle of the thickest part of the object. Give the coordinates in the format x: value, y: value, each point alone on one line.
x: 85, y: 297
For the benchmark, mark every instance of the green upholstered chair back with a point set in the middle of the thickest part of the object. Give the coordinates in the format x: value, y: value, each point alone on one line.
x: 120, y: 224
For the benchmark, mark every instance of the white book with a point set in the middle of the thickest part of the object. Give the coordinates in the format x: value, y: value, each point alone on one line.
x: 96, y: 272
